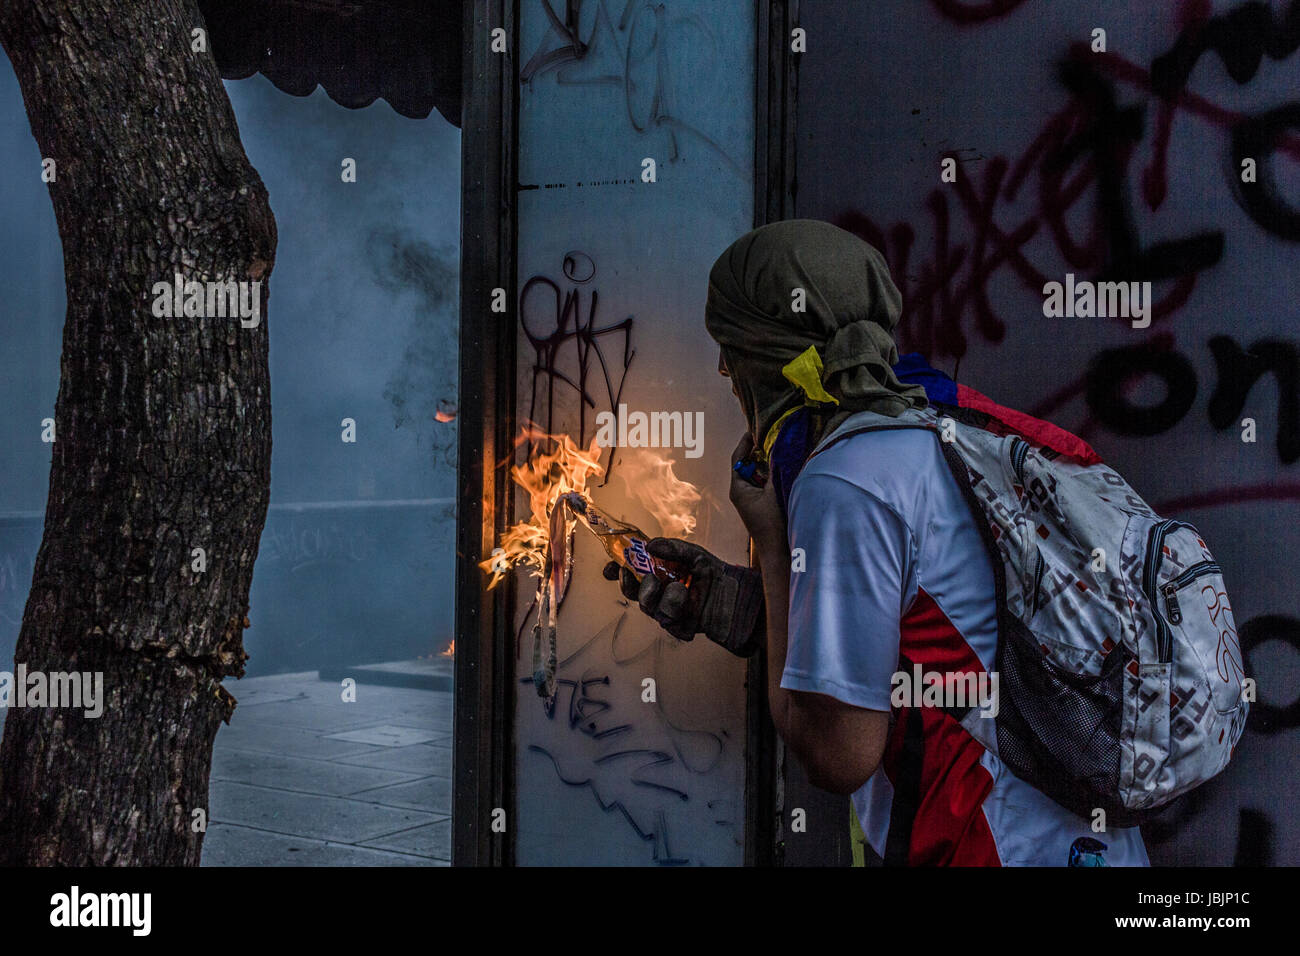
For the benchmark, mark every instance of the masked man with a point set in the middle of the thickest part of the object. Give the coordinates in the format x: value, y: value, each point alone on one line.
x: 867, y: 556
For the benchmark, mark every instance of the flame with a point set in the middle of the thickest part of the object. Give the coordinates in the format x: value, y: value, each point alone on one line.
x: 558, y: 466
x: 545, y: 476
x: 450, y: 650
x: 649, y: 478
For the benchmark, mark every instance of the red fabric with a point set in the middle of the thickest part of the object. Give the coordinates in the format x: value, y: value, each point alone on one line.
x: 950, y: 829
x: 1034, y: 429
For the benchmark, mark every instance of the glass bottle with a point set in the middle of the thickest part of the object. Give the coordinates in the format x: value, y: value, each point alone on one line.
x: 625, y: 543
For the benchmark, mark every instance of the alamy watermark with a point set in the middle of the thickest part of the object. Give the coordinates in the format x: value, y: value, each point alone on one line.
x: 1102, y: 300
x: 228, y: 299
x: 77, y: 909
x: 922, y: 688
x: 58, y: 689
x: 651, y: 430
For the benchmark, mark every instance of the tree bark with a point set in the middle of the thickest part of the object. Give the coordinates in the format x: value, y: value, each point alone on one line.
x: 162, y: 441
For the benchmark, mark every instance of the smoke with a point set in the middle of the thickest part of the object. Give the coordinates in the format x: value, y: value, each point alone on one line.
x: 422, y: 389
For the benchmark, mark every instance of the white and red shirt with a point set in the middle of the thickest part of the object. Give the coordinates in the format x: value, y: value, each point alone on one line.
x: 894, y: 566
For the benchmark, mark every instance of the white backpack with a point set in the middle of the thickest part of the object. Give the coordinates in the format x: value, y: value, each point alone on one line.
x: 1119, y: 669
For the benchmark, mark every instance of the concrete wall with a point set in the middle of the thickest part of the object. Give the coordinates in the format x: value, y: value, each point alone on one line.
x: 1065, y: 170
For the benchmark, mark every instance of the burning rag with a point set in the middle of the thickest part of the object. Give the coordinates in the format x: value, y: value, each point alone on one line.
x: 805, y: 313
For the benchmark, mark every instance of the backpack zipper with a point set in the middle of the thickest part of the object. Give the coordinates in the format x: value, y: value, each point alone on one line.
x: 1038, y: 581
x: 1171, y: 589
x: 1017, y: 451
x: 1155, y: 544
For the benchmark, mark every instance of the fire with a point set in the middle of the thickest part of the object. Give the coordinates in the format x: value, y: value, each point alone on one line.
x: 450, y: 650
x: 545, y: 476
x: 649, y: 478
x: 541, y: 543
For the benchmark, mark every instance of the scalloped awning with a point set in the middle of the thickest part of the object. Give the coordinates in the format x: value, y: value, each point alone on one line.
x: 407, y: 52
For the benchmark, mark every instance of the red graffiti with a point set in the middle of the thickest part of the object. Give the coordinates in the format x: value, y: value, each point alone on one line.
x: 960, y: 12
x: 951, y: 284
x: 1083, y: 151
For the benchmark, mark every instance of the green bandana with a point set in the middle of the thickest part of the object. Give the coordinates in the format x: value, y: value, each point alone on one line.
x: 791, y: 286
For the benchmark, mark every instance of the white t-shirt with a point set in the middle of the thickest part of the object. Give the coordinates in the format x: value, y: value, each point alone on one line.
x: 894, y: 565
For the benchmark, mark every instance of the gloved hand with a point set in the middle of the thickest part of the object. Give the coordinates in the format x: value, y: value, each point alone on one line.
x: 724, y: 601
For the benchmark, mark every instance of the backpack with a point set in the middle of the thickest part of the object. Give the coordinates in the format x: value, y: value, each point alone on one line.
x: 1119, y: 669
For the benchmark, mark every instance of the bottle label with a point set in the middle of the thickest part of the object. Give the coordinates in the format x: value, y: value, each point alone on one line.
x: 637, y: 557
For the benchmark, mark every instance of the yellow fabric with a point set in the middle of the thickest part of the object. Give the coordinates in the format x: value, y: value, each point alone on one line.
x: 806, y: 372
x: 857, y: 838
x: 772, y: 432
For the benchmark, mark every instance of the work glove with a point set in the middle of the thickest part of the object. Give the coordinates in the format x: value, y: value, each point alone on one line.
x: 724, y: 601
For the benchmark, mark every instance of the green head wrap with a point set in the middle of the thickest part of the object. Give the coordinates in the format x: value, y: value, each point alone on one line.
x: 850, y: 307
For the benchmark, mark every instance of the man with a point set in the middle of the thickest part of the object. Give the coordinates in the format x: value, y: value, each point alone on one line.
x: 868, y: 558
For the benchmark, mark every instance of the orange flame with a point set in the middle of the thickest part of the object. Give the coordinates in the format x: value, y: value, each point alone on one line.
x: 557, y: 466
x: 545, y: 476
x: 450, y: 650
x: 649, y: 478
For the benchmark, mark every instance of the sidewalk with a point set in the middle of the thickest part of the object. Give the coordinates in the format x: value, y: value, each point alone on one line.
x: 300, y: 778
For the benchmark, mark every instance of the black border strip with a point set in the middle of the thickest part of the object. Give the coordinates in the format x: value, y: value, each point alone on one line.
x: 483, y: 766
x: 775, y: 86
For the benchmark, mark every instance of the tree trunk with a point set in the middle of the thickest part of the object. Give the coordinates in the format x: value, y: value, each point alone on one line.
x: 163, y: 434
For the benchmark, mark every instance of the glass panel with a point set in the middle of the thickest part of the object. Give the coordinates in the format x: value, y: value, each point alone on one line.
x: 613, y: 271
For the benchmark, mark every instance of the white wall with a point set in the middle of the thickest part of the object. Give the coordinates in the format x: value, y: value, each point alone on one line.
x: 888, y: 87
x: 635, y: 783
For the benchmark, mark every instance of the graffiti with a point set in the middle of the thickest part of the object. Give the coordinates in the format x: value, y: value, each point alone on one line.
x: 1113, y: 371
x: 658, y: 835
x: 1255, y: 831
x: 1126, y: 174
x: 1255, y: 840
x: 1240, y: 38
x: 302, y: 547
x: 1099, y: 136
x: 699, y: 751
x: 1257, y: 138
x: 1239, y: 371
x: 558, y: 330
x: 960, y: 11
x: 1093, y: 133
x: 633, y: 55
x: 1268, y: 718
x: 696, y: 751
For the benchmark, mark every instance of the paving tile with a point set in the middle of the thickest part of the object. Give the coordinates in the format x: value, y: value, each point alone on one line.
x: 284, y: 772
x: 302, y: 778
x: 293, y: 741
x: 336, y: 819
x: 327, y: 718
x: 432, y: 794
x: 263, y: 694
x: 229, y: 845
x: 417, y: 758
x: 433, y: 840
x: 386, y: 735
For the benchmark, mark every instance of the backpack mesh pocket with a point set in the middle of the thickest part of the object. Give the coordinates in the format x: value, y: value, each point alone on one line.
x: 1059, y: 730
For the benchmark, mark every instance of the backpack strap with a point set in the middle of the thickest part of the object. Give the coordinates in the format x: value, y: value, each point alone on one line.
x: 907, y: 778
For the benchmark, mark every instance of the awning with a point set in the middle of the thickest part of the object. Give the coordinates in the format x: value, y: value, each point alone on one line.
x: 404, y: 51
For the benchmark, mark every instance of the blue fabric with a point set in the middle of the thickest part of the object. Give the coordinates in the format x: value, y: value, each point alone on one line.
x: 914, y: 369
x: 795, y: 442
